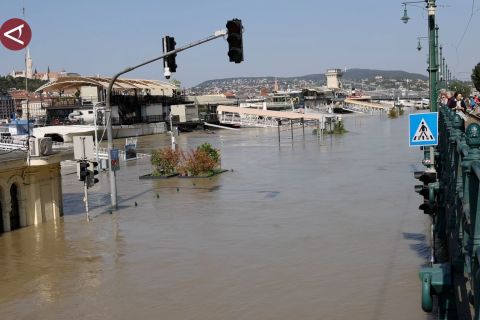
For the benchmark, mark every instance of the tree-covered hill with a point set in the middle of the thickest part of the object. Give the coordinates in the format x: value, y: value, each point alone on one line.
x: 9, y: 82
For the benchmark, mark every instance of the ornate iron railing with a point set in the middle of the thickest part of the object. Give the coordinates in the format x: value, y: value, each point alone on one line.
x: 451, y: 193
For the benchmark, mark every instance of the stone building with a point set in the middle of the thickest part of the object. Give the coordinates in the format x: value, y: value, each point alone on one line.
x: 7, y: 107
x: 30, y: 194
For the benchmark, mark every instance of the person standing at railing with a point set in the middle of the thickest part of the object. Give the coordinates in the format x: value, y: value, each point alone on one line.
x: 444, y: 98
x: 472, y: 102
x: 457, y: 103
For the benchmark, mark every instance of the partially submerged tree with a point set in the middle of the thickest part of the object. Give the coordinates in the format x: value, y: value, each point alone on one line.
x: 460, y: 87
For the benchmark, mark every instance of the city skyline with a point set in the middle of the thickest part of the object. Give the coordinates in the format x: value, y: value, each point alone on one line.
x: 288, y: 39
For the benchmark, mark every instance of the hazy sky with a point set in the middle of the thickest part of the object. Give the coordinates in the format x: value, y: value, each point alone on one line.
x: 282, y: 38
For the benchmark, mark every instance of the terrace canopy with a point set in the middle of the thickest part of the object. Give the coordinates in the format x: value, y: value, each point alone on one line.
x: 154, y: 87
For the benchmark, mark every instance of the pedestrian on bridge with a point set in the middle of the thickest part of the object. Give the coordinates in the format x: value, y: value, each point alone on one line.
x: 473, y: 104
x: 450, y: 100
x: 457, y: 103
x: 444, y: 98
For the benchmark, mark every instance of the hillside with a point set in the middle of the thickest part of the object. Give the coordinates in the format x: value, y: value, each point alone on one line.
x: 314, y: 79
x: 9, y: 82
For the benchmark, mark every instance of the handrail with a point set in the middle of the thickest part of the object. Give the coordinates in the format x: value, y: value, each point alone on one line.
x: 454, y: 198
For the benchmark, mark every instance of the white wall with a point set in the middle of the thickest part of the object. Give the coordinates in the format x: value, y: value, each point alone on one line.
x: 186, y: 112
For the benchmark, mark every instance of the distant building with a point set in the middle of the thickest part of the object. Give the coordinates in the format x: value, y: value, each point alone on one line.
x: 37, y: 108
x: 133, y: 100
x: 18, y: 96
x: 7, y: 106
x: 333, y: 79
x: 31, y: 73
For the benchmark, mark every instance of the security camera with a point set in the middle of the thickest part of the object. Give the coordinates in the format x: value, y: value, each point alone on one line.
x: 167, y: 73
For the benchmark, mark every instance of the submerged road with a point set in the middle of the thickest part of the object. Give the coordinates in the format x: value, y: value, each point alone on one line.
x: 296, y: 231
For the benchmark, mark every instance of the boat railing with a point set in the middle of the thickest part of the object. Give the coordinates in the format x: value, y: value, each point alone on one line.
x: 10, y: 144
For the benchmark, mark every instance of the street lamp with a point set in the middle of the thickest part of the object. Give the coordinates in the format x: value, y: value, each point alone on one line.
x: 433, y: 48
x: 419, y: 46
x: 405, y: 17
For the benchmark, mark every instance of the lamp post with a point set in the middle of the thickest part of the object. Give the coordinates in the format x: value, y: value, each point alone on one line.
x: 446, y: 75
x: 172, y: 136
x: 441, y: 60
x: 419, y: 46
x: 95, y: 110
x: 433, y: 48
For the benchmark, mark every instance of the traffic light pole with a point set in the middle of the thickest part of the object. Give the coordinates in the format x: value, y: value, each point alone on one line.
x: 111, y: 173
x: 87, y: 214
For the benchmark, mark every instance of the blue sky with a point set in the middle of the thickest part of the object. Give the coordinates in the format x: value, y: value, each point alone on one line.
x: 282, y: 38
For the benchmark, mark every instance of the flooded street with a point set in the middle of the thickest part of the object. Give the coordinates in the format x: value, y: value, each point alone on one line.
x: 296, y: 231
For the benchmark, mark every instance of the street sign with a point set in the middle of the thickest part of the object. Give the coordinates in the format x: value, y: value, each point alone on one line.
x: 115, y: 160
x: 15, y: 34
x: 83, y: 148
x: 423, y: 129
x: 131, y: 149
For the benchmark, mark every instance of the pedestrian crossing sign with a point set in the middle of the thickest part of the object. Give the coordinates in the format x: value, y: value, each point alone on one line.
x: 423, y: 129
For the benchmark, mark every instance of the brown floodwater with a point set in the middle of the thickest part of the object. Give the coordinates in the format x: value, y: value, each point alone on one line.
x: 300, y: 230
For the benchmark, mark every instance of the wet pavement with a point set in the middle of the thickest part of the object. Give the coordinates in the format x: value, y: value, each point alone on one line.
x: 304, y: 230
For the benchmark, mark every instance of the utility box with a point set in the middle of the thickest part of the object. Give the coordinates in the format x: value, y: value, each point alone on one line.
x: 185, y: 112
x: 40, y: 147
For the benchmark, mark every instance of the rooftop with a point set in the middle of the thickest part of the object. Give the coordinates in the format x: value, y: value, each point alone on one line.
x: 102, y: 82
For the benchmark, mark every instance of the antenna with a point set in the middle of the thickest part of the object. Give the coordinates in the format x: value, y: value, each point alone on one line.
x: 26, y: 92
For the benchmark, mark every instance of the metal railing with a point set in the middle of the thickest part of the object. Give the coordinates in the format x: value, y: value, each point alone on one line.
x: 453, y: 203
x: 9, y: 144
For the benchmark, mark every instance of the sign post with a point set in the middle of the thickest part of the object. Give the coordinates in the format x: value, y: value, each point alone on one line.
x: 423, y: 129
x: 114, y: 160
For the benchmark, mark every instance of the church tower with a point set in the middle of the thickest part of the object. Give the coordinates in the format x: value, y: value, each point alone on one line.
x: 28, y: 64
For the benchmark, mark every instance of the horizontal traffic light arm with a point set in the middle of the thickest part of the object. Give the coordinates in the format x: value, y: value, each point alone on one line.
x: 217, y: 34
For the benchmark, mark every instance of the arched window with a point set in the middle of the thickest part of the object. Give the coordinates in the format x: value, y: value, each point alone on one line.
x: 15, y: 213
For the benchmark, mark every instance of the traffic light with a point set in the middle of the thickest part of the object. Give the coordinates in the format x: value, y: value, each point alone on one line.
x: 235, y: 40
x: 427, y: 190
x: 82, y: 170
x: 92, y: 172
x: 169, y: 62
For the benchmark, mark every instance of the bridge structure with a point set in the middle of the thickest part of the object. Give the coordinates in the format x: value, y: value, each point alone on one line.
x: 451, y: 191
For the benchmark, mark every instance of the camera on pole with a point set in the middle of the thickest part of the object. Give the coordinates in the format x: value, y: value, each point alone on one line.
x: 169, y: 62
x: 235, y: 40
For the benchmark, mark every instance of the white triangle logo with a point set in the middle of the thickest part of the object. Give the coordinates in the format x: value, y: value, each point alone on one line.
x: 423, y: 132
x: 19, y: 28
